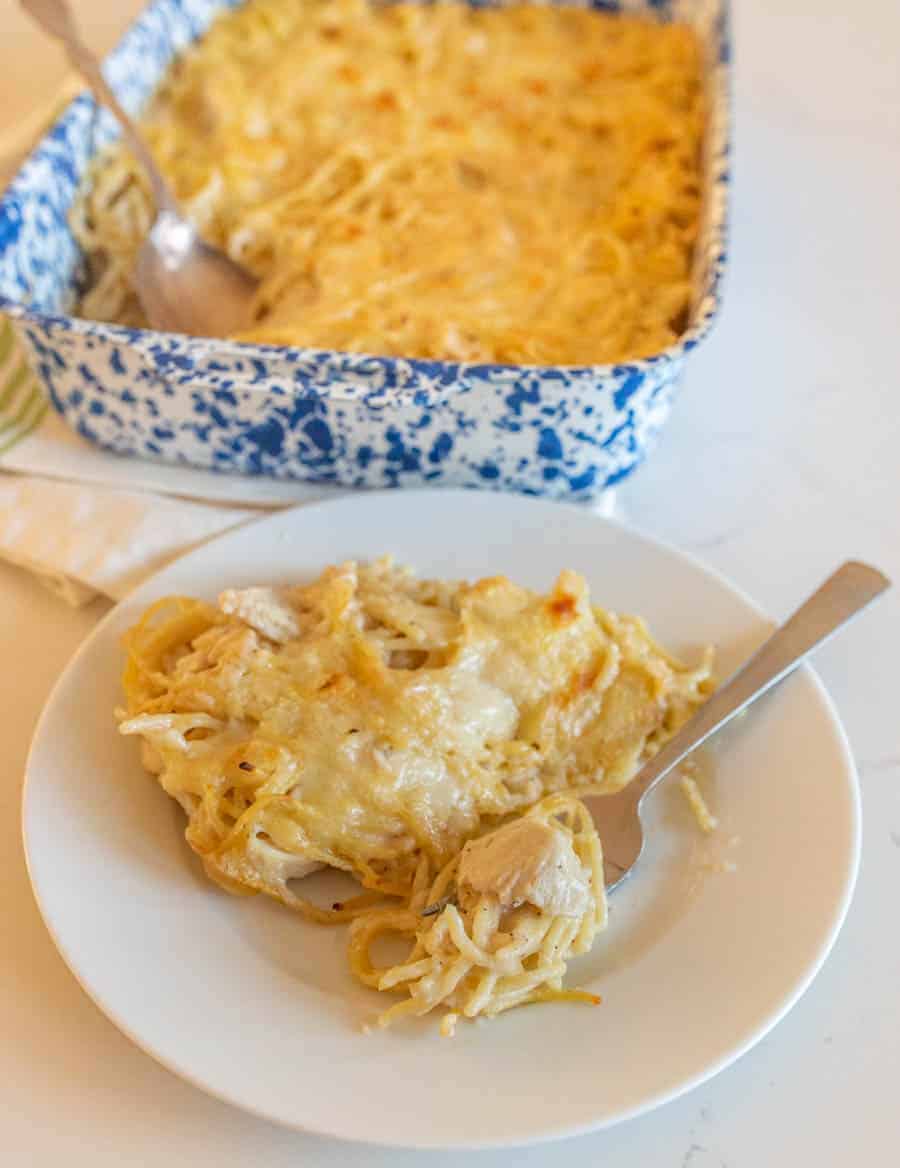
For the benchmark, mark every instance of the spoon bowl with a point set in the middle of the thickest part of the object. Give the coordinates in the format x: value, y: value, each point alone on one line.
x: 184, y: 284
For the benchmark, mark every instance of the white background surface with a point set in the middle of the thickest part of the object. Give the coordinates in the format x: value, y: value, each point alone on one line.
x: 781, y: 460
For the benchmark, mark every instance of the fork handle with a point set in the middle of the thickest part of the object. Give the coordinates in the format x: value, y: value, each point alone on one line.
x: 55, y: 17
x: 845, y: 593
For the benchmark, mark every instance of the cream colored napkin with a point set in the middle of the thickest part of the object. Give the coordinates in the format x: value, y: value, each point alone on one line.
x: 80, y: 540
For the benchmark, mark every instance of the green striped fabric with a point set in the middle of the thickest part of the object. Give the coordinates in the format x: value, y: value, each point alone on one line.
x: 22, y: 401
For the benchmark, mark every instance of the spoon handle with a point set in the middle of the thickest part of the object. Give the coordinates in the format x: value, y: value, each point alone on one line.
x: 56, y: 19
x: 849, y: 590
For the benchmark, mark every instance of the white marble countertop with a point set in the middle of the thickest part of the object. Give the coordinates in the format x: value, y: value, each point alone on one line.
x: 781, y: 460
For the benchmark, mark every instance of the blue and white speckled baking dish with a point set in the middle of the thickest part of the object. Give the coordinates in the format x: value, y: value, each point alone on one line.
x: 331, y: 417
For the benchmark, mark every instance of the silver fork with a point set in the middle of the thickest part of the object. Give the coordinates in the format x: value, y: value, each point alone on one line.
x: 845, y: 593
x: 849, y: 590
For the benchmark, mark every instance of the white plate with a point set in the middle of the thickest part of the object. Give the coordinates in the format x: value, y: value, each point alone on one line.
x: 256, y: 1006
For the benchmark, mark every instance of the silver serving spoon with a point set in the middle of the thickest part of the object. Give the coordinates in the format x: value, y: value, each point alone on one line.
x: 842, y: 596
x: 183, y: 284
x: 618, y: 816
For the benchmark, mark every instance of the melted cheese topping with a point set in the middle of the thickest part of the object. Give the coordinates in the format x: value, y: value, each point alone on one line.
x: 374, y: 722
x: 516, y: 183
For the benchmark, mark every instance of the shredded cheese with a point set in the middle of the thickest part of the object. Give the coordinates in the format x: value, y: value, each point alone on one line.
x: 706, y: 821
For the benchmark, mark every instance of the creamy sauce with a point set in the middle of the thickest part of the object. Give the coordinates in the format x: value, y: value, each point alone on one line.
x: 277, y: 865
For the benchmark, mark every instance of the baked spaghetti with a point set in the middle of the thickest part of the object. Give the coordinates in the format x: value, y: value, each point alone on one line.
x: 384, y: 725
x: 516, y: 184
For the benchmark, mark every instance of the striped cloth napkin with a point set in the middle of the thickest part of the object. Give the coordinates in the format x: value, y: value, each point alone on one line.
x: 23, y: 405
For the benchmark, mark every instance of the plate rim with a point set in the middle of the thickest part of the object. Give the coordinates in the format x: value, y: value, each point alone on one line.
x: 550, y: 1131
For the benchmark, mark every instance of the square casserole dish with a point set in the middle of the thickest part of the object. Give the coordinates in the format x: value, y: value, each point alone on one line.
x: 331, y: 417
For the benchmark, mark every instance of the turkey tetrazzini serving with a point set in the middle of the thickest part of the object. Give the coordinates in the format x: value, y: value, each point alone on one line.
x: 432, y: 739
